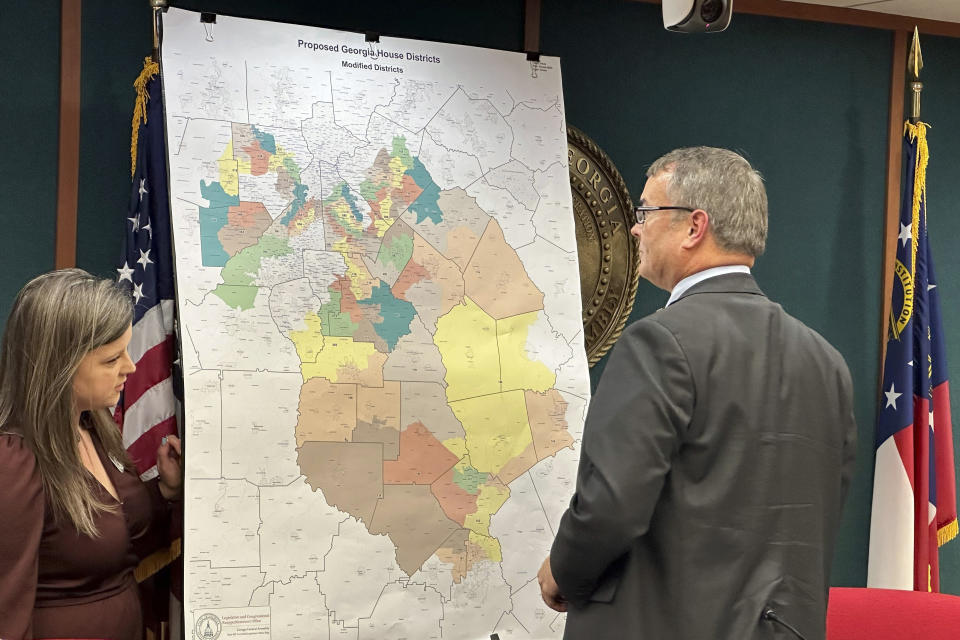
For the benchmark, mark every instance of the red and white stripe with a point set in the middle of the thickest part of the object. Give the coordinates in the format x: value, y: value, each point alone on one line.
x: 149, y: 407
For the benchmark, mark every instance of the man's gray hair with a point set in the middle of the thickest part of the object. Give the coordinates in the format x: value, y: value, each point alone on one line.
x: 723, y: 184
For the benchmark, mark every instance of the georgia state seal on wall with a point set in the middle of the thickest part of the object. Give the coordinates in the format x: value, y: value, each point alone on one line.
x: 208, y: 627
x: 608, y: 254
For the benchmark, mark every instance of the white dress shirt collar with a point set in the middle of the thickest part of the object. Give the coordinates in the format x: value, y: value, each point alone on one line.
x: 700, y: 276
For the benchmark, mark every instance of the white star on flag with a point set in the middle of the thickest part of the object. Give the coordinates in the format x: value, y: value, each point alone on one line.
x: 147, y: 228
x: 135, y: 221
x: 126, y: 273
x: 905, y: 234
x: 144, y: 258
x: 138, y: 292
x: 892, y: 396
x: 142, y: 189
x: 931, y: 286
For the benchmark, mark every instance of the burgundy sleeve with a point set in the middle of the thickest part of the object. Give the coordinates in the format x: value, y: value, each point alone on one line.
x: 157, y: 534
x: 21, y: 512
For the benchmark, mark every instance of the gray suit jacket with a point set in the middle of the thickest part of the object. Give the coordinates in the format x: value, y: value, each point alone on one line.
x: 716, y: 457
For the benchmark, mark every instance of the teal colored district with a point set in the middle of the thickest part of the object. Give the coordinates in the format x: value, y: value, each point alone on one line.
x: 469, y: 479
x: 299, y: 200
x: 238, y: 290
x: 212, y: 219
x: 426, y: 205
x: 345, y: 192
x: 397, y: 314
x: 267, y: 141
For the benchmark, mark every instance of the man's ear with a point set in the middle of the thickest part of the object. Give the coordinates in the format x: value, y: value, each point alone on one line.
x: 697, y: 225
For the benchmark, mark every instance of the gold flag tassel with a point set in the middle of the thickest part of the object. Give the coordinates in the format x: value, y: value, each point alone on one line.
x: 918, y: 134
x: 150, y: 69
x: 946, y: 533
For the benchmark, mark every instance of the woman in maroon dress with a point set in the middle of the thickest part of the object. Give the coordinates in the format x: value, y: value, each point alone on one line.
x: 76, y: 518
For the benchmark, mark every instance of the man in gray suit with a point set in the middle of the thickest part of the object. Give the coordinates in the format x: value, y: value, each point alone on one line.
x: 719, y: 446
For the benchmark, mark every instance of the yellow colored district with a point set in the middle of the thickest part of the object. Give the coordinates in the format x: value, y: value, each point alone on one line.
x: 343, y: 358
x: 309, y: 342
x: 484, y: 356
x: 517, y: 370
x: 489, y: 501
x: 490, y: 546
x: 496, y: 426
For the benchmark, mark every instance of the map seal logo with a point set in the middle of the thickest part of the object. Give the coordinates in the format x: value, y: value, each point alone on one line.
x: 608, y: 254
x: 208, y: 627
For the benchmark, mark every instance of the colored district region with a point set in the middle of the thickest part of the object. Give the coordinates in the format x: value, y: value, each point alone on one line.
x: 432, y: 481
x: 239, y: 289
x: 229, y: 224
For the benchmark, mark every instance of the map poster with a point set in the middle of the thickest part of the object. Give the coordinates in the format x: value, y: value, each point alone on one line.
x: 385, y: 379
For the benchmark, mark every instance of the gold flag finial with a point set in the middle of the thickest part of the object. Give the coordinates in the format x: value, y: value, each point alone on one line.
x: 915, y: 57
x: 914, y: 65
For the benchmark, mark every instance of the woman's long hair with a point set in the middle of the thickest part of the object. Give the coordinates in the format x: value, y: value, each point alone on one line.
x: 57, y: 319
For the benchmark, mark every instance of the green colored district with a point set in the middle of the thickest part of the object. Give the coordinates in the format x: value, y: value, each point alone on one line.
x: 346, y: 222
x: 267, y: 141
x: 237, y: 296
x: 212, y: 219
x: 238, y: 274
x: 469, y: 479
x: 291, y: 166
x: 397, y: 314
x: 398, y: 252
x: 335, y: 322
x: 369, y: 190
x: 343, y: 210
x: 426, y: 206
x: 400, y: 151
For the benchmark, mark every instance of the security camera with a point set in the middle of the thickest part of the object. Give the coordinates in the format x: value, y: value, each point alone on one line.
x: 696, y: 16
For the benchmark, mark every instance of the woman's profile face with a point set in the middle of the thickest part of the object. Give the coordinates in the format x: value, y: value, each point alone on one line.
x: 102, y: 372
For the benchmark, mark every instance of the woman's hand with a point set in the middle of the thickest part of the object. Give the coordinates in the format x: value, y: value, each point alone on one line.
x: 170, y: 468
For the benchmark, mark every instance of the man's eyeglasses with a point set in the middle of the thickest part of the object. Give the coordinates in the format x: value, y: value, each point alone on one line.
x: 641, y: 211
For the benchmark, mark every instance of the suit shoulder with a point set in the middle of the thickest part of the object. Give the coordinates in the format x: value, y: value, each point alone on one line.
x: 814, y: 340
x: 654, y: 326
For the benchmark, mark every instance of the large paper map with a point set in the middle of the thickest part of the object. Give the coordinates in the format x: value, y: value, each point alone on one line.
x: 385, y: 380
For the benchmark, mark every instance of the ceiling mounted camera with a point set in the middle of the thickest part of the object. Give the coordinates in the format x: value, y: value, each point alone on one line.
x: 696, y: 16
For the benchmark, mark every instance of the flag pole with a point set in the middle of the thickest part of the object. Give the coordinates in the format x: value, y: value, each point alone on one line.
x: 158, y: 6
x: 914, y: 65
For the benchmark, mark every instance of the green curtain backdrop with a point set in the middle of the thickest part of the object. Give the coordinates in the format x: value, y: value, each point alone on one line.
x: 29, y: 112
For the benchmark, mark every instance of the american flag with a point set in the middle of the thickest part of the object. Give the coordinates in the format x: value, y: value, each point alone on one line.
x: 914, y: 487
x: 147, y: 410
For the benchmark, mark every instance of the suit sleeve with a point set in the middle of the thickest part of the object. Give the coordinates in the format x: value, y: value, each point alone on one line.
x: 21, y: 512
x: 849, y: 435
x: 633, y: 430
x: 158, y: 532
